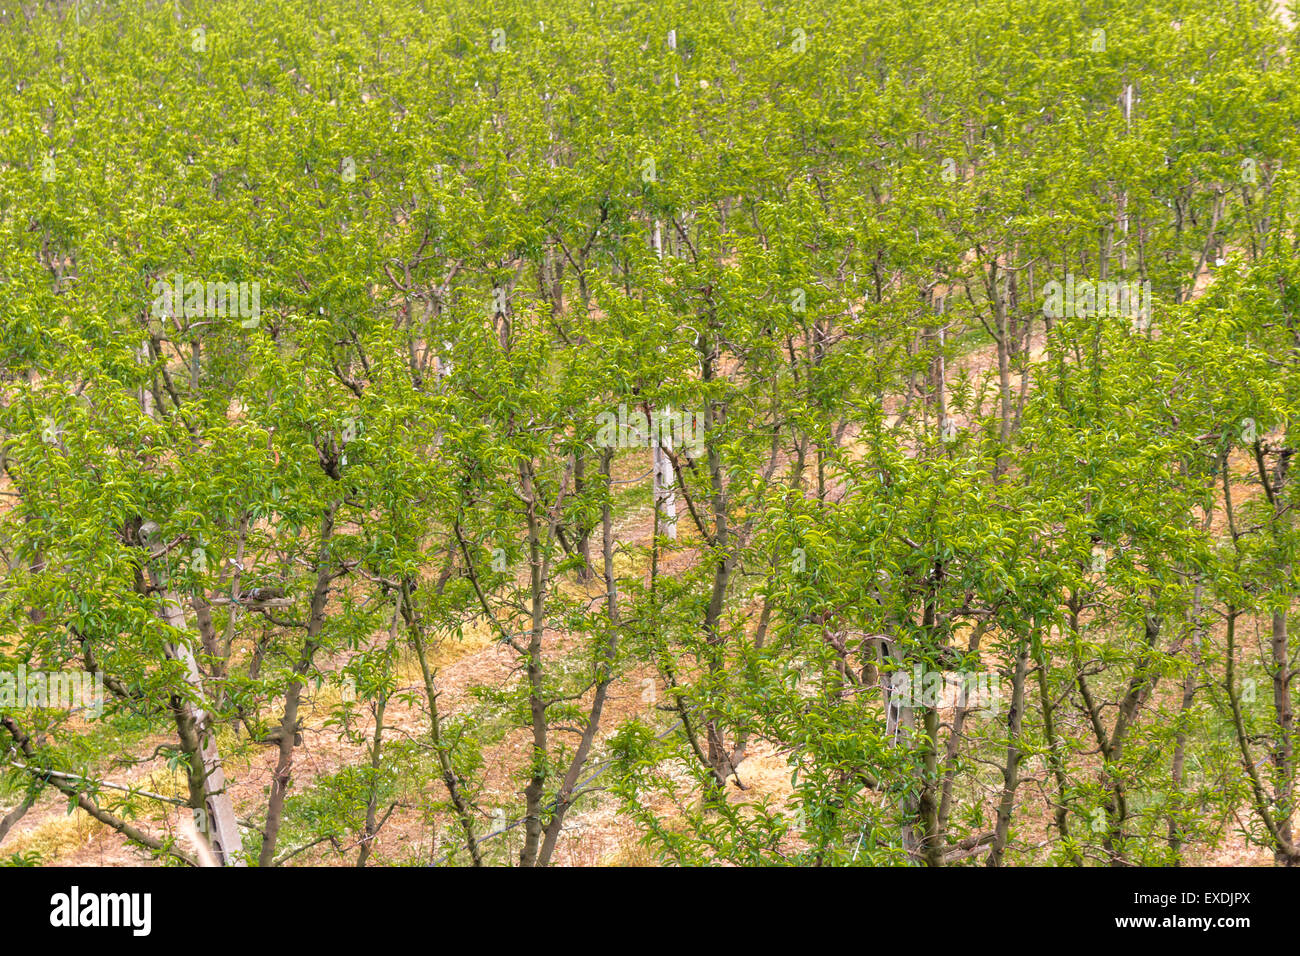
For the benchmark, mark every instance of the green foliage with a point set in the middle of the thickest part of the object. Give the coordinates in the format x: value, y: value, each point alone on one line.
x: 470, y: 236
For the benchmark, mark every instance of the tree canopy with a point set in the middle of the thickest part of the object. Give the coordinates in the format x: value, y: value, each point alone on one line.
x: 840, y: 434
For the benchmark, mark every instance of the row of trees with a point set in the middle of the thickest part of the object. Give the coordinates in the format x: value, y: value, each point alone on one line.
x: 821, y: 234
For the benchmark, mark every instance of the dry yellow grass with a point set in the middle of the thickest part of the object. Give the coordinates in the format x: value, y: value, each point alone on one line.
x: 58, y: 837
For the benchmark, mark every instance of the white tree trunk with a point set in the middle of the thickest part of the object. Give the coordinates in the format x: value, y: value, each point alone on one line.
x: 665, y: 492
x: 672, y: 45
x: 222, y: 829
x: 662, y: 437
